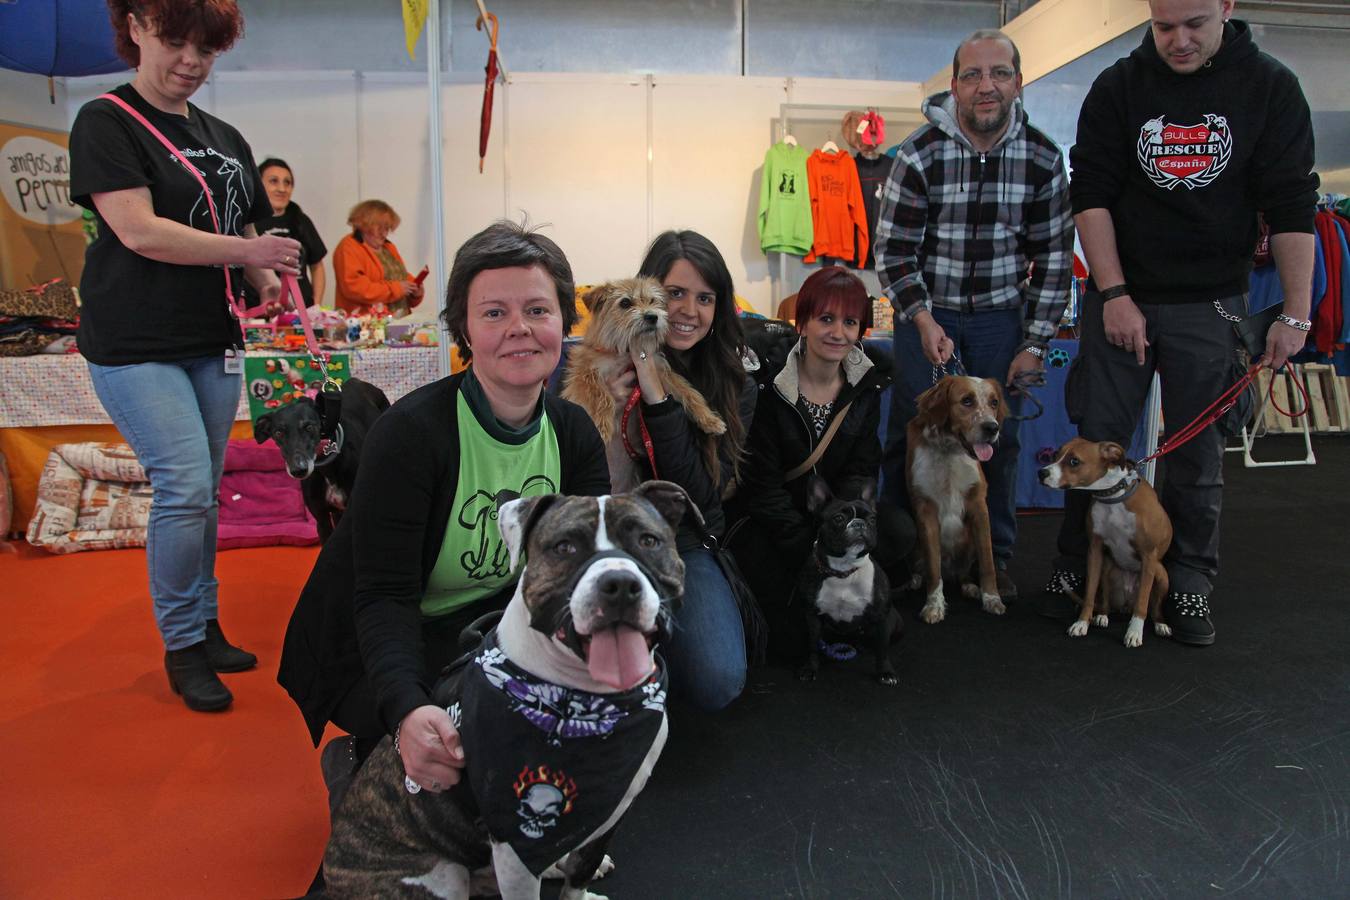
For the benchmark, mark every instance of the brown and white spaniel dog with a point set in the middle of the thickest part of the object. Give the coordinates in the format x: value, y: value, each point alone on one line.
x: 956, y: 428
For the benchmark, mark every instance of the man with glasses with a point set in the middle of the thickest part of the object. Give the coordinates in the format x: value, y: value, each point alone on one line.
x: 974, y: 248
x: 1179, y: 145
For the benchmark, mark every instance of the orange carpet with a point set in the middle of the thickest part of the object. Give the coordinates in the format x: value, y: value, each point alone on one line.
x: 110, y: 786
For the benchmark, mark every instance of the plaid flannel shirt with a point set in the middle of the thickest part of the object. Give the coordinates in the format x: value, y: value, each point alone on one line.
x: 959, y: 229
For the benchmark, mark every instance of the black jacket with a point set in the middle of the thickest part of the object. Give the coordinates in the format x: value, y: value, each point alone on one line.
x: 374, y: 568
x: 781, y: 438
x: 679, y: 458
x: 1184, y: 162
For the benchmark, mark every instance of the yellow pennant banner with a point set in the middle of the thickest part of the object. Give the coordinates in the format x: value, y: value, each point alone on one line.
x: 414, y: 17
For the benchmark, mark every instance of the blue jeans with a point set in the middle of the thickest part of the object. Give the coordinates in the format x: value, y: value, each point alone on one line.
x: 986, y: 343
x: 177, y: 417
x: 706, y: 654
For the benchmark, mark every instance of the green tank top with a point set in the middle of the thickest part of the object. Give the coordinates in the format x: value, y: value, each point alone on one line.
x: 473, y: 562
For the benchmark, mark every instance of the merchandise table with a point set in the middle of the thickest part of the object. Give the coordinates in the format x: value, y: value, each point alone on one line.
x: 48, y: 399
x: 51, y: 389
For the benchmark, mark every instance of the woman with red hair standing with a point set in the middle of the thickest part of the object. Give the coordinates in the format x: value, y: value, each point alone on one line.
x: 165, y: 353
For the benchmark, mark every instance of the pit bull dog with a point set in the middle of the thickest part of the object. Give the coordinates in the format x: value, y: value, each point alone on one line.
x: 845, y: 592
x: 561, y: 713
x: 1130, y: 534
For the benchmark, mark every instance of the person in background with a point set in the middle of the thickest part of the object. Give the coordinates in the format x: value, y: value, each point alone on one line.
x: 1169, y: 240
x: 418, y: 555
x: 977, y: 198
x: 826, y: 374
x: 164, y: 351
x: 288, y: 220
x: 367, y: 267
x: 704, y: 344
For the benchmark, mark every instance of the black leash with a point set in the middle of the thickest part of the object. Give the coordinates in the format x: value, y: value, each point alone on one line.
x: 1022, y: 384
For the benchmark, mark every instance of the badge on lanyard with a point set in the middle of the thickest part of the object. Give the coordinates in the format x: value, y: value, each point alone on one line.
x: 234, y: 362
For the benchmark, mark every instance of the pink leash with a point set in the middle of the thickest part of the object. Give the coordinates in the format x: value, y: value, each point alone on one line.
x: 290, y: 286
x: 235, y: 304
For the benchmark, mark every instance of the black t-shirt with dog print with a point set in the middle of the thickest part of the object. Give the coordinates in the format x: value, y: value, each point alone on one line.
x: 136, y: 309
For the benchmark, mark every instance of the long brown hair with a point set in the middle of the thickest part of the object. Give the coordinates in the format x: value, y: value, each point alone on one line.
x: 713, y: 365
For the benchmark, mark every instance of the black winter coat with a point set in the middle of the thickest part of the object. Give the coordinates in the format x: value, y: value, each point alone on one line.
x: 782, y: 437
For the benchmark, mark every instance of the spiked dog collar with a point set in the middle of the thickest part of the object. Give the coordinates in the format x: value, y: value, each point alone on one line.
x: 1121, y: 491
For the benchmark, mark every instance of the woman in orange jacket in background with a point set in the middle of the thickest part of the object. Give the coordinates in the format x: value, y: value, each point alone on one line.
x: 367, y: 266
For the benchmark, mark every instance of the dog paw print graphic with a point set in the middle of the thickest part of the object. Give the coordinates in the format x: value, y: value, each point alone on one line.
x: 1059, y: 357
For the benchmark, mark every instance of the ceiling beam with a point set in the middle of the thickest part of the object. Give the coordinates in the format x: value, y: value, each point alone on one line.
x: 1056, y: 32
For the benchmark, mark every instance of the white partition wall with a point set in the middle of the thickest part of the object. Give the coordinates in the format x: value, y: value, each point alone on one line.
x: 577, y: 158
x: 568, y: 150
x: 708, y: 143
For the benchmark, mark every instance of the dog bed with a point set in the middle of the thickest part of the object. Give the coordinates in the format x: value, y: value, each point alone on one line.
x: 95, y: 496
x: 260, y: 505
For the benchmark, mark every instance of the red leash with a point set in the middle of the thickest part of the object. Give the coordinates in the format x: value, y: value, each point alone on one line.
x: 642, y: 427
x: 1223, y: 404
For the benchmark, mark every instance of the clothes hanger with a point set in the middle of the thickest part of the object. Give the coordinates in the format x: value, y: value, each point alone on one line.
x: 829, y: 147
x: 789, y: 140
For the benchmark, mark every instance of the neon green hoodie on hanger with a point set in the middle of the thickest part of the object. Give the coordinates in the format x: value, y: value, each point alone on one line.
x: 785, y: 202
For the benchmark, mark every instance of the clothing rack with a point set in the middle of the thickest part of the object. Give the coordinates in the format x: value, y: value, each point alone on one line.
x: 830, y: 114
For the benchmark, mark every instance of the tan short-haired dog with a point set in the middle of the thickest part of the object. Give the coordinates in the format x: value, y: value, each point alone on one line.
x: 1130, y: 535
x: 957, y: 426
x: 626, y: 315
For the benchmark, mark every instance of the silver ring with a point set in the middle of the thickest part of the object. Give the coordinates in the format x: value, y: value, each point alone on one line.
x: 642, y: 354
x: 411, y: 786
x: 435, y: 785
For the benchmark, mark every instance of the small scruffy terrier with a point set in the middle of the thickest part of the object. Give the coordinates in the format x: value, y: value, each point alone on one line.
x: 626, y: 315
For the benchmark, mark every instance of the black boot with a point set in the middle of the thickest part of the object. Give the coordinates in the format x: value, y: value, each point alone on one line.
x: 191, y: 675
x: 224, y: 656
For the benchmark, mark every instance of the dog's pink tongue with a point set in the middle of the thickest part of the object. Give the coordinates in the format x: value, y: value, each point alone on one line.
x: 619, y: 657
x: 984, y: 452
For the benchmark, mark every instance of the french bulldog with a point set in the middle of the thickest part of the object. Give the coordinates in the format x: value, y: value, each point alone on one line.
x: 846, y: 594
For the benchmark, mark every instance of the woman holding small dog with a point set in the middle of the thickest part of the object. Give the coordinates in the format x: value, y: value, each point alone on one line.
x: 164, y: 350
x: 826, y: 376
x: 704, y: 344
x: 418, y: 555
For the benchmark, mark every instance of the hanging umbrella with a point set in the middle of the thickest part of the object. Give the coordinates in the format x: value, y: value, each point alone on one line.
x: 485, y: 120
x: 58, y: 37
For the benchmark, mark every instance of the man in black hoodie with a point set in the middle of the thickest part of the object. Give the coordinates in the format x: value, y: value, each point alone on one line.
x: 1179, y: 146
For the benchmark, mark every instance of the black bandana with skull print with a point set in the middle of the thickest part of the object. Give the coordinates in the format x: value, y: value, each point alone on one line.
x: 548, y: 765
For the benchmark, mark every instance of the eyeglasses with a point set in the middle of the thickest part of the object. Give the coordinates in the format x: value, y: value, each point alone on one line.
x: 998, y: 75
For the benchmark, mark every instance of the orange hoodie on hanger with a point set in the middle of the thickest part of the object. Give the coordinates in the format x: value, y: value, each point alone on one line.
x: 836, y: 207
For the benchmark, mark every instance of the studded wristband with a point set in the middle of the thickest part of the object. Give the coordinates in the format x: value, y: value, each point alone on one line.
x: 1035, y: 348
x: 1300, y: 324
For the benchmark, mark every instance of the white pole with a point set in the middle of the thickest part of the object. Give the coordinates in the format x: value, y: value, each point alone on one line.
x: 438, y: 271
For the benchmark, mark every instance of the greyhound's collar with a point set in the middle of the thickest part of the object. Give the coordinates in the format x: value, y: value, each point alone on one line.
x: 329, y: 448
x: 1122, y: 490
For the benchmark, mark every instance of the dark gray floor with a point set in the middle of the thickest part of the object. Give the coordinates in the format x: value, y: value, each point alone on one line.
x: 1014, y: 761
